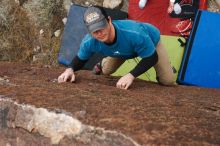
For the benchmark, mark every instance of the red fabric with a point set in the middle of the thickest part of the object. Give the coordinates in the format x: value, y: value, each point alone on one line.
x: 155, y: 12
x: 203, y: 4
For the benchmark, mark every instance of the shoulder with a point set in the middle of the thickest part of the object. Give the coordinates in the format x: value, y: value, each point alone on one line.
x: 126, y: 24
x: 87, y: 39
x: 132, y: 30
x: 128, y: 27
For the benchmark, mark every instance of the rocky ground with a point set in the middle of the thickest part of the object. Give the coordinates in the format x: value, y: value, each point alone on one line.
x: 148, y: 113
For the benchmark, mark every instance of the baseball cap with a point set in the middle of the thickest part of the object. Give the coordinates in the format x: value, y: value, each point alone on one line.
x: 94, y: 19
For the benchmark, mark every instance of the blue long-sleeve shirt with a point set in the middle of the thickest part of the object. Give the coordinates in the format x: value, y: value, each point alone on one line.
x: 133, y: 39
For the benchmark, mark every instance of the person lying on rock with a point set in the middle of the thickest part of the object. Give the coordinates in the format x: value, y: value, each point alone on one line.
x: 120, y: 40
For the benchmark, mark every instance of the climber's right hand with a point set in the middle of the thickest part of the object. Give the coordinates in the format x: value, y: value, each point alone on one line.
x: 67, y: 75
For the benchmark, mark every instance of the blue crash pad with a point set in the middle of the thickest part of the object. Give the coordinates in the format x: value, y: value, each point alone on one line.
x: 200, y: 64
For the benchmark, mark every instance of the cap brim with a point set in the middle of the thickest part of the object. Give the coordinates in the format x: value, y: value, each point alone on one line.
x: 97, y: 26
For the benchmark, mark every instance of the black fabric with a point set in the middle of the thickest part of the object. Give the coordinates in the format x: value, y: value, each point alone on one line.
x: 182, y: 43
x: 145, y: 64
x: 116, y: 14
x: 188, y: 10
x: 190, y: 43
x: 77, y: 63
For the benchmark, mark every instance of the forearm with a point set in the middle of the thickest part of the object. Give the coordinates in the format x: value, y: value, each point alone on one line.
x: 145, y: 64
x: 77, y: 63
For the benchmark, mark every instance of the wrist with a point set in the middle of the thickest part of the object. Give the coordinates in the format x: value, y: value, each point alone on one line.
x: 132, y: 76
x: 69, y: 70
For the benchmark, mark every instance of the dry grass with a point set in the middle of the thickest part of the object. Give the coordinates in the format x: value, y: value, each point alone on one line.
x: 17, y: 34
x: 20, y: 28
x: 47, y: 15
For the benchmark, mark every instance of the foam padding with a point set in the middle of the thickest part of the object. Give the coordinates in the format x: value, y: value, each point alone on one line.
x: 175, y: 53
x: 200, y: 65
x: 74, y: 32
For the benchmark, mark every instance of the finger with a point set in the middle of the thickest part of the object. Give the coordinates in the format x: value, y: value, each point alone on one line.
x: 126, y: 87
x: 65, y: 78
x: 118, y: 85
x: 60, y: 79
x: 73, y: 79
x: 123, y: 85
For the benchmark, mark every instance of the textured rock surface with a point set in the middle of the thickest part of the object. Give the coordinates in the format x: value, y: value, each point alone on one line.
x: 148, y: 113
x: 112, y: 4
x: 56, y: 126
